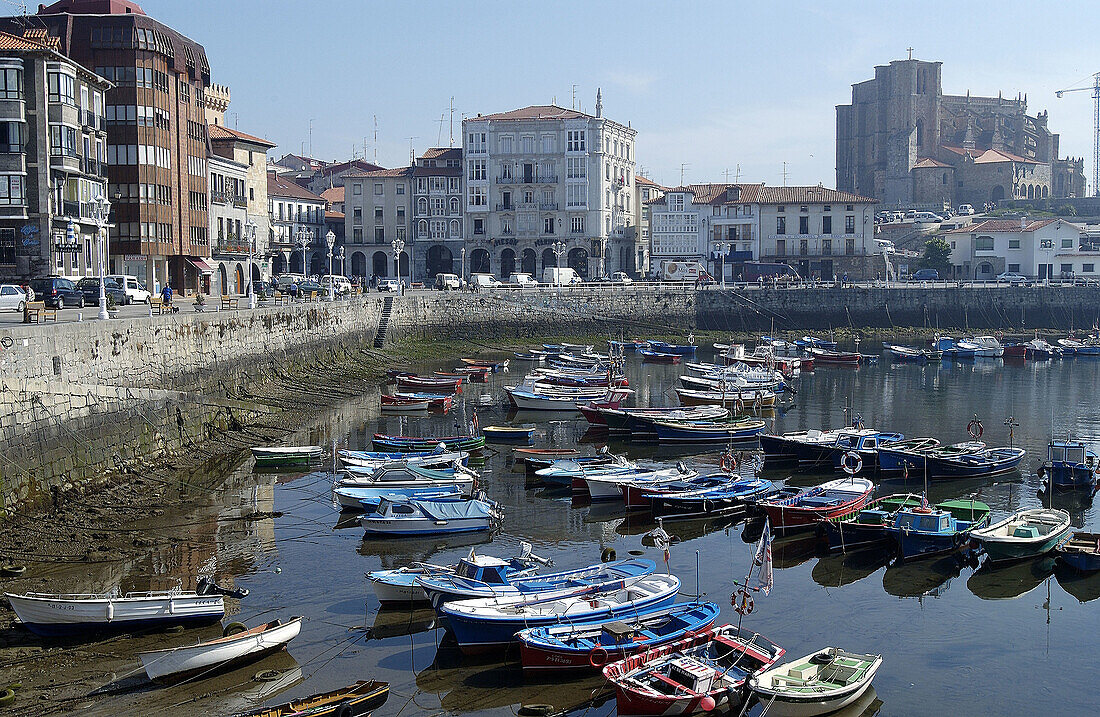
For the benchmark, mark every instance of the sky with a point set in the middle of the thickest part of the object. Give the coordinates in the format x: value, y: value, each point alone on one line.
x: 716, y: 89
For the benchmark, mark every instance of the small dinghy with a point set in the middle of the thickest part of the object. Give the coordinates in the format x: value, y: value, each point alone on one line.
x: 548, y: 452
x: 355, y: 700
x: 1024, y: 534
x: 828, y: 500
x: 490, y: 623
x: 52, y: 615
x: 234, y: 649
x: 403, y: 584
x: 508, y: 434
x: 400, y: 517
x: 817, y: 684
x: 659, y: 357
x: 730, y: 498
x: 593, y: 645
x: 1080, y: 551
x: 273, y: 456
x: 478, y: 581
x: 409, y: 443
x: 702, y: 672
x: 399, y: 480
x: 436, y: 384
x: 421, y: 459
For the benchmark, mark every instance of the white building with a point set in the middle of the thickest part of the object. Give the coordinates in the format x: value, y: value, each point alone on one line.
x: 228, y: 216
x: 377, y: 213
x: 704, y: 223
x: 295, y: 212
x: 437, y: 213
x: 1043, y: 249
x: 542, y: 180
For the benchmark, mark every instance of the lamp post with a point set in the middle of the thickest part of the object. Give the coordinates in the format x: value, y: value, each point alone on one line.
x: 340, y: 256
x: 101, y: 209
x: 398, y: 246
x: 330, y: 238
x: 462, y: 253
x: 250, y: 227
x: 305, y: 237
x: 722, y: 249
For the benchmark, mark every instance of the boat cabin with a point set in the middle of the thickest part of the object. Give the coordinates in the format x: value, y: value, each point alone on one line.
x: 934, y: 521
x: 483, y: 568
x: 692, y: 674
x: 864, y: 440
x: 1070, y: 452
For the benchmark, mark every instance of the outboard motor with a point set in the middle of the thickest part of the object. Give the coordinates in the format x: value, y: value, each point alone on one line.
x: 206, y: 586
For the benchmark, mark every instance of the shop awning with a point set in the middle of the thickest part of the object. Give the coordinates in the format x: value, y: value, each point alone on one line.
x: 200, y: 264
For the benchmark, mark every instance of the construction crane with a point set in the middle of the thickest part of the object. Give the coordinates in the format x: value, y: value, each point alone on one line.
x: 1095, y: 129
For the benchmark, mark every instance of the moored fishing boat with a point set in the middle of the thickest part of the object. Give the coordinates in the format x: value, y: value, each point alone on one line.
x: 826, y: 357
x: 729, y: 430
x: 421, y: 459
x: 1024, y: 534
x: 911, y: 354
x: 823, y: 682
x: 1080, y: 551
x: 740, y: 401
x: 591, y: 645
x: 216, y: 655
x: 864, y: 527
x: 402, y: 585
x: 1037, y: 350
x: 422, y: 383
x: 663, y: 347
x: 273, y: 456
x: 639, y: 420
x: 436, y: 401
x: 493, y: 366
x: 547, y: 452
x: 987, y: 462
x: 508, y: 434
x: 488, y: 581
x: 649, y: 356
x: 356, y: 700
x: 828, y: 500
x: 703, y: 672
x: 400, y: 517
x: 924, y: 531
x: 730, y: 498
x: 1070, y: 464
x: 602, y: 486
x: 410, y: 443
x: 906, y: 456
x: 405, y: 405
x: 486, y: 624
x: 396, y: 480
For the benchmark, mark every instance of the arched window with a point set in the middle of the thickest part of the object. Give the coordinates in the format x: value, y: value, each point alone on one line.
x: 422, y: 229
x: 920, y: 133
x: 422, y: 205
x: 1045, y: 192
x: 456, y: 229
x: 454, y: 205
x: 944, y: 181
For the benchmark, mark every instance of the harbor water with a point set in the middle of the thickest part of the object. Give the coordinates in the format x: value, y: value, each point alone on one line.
x: 955, y: 638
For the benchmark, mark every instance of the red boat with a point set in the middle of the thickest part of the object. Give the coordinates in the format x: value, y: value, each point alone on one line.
x: 803, y: 510
x: 702, y: 672
x: 1015, y: 350
x: 460, y: 377
x: 836, y: 358
x: 420, y: 383
x: 476, y: 373
x: 436, y: 402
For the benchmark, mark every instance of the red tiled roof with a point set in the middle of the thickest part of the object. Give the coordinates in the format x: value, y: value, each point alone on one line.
x: 334, y: 195
x: 717, y: 193
x: 92, y: 7
x: 647, y: 182
x: 382, y: 173
x: 279, y: 187
x: 809, y: 195
x: 929, y: 163
x: 1002, y: 225
x: 442, y: 153
x: 330, y: 214
x: 221, y: 133
x: 532, y: 112
x: 30, y: 41
x: 438, y: 172
x: 359, y: 164
x: 988, y: 156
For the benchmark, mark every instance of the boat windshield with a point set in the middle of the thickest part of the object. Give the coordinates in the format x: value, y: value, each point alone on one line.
x: 925, y: 523
x: 1076, y: 454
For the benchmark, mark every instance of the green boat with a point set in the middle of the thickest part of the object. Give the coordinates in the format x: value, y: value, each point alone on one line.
x: 1024, y: 534
x: 287, y: 455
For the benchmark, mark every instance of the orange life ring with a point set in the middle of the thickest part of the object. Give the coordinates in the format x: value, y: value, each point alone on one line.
x: 975, y: 428
x: 738, y: 406
x: 598, y: 657
x: 743, y: 606
x: 851, y: 462
x: 728, y: 464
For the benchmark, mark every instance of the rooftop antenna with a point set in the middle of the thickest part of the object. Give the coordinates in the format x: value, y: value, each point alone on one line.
x: 310, y: 136
x: 910, y: 50
x: 452, y: 144
x: 412, y: 152
x: 683, y: 166
x: 737, y: 175
x: 375, y: 140
x: 784, y: 174
x: 574, y: 105
x: 439, y: 136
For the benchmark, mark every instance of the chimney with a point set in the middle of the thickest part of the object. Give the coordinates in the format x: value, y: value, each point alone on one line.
x: 1023, y: 223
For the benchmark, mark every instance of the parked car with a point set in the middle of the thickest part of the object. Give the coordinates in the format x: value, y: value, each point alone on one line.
x: 283, y: 281
x: 966, y: 210
x: 89, y: 287
x: 524, y: 280
x: 484, y: 281
x: 925, y: 275
x: 341, y: 286
x: 134, y: 288
x: 389, y: 285
x: 927, y: 218
x: 57, y: 292
x: 621, y: 277
x: 12, y: 298
x: 308, y: 286
x: 1011, y: 277
x: 445, y: 282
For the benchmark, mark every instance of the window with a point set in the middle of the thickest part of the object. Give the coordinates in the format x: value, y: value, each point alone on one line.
x: 575, y: 140
x: 379, y: 235
x: 401, y: 214
x: 1066, y: 269
x: 479, y: 227
x: 421, y: 185
x: 421, y: 205
x: 357, y: 215
x: 781, y: 225
x: 476, y: 141
x: 506, y: 142
x: 575, y: 168
x: 675, y: 203
x: 63, y: 141
x: 11, y: 84
x: 850, y: 224
x: 378, y: 215
x: 478, y: 197
x: 576, y: 225
x: 549, y: 145
x: 826, y: 225
x: 454, y: 207
x: 528, y: 144
x: 62, y: 88
x: 1067, y: 243
x: 437, y: 206
x: 400, y: 188
x: 477, y: 170
x: 983, y: 244
x: 12, y: 190
x: 1085, y: 268
x: 357, y: 235
x: 781, y: 209
x: 576, y: 195
x: 357, y: 189
x: 803, y: 225
x: 11, y: 136
x: 1015, y: 268
x: 1013, y: 243
x: 377, y: 189
x: 548, y: 225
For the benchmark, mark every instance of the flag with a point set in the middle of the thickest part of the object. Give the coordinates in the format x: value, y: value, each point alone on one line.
x: 474, y: 424
x: 661, y: 540
x: 763, y: 561
x: 905, y: 470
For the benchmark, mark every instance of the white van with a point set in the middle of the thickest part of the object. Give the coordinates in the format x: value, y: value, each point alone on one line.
x: 135, y: 289
x: 524, y: 280
x: 341, y: 286
x: 927, y: 218
x: 446, y: 282
x: 484, y: 281
x: 560, y: 276
x: 965, y: 210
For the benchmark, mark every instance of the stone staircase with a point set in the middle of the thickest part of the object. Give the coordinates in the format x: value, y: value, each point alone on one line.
x: 384, y: 322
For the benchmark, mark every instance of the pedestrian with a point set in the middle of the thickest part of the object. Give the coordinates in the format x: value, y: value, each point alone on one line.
x: 845, y: 278
x: 166, y: 294
x: 294, y: 289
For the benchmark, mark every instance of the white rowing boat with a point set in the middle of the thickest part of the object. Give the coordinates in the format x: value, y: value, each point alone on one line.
x: 178, y: 662
x: 60, y: 614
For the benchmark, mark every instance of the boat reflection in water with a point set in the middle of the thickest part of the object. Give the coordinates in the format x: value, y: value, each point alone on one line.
x: 1006, y: 582
x: 399, y: 621
x: 834, y: 571
x: 399, y: 552
x: 1084, y: 587
x: 465, y: 685
x: 682, y: 530
x: 922, y: 578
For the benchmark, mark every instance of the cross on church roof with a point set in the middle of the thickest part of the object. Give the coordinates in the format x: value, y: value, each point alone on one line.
x: 910, y: 52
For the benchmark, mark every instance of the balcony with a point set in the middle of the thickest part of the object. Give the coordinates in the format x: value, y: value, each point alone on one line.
x: 239, y: 201
x: 506, y: 207
x: 219, y: 197
x: 548, y: 206
x: 230, y: 245
x: 550, y: 179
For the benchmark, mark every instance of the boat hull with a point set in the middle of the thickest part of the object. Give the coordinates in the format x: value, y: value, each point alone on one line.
x: 405, y: 527
x: 790, y: 706
x: 175, y: 664
x: 59, y: 617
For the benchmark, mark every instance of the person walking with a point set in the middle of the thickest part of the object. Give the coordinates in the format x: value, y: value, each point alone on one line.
x: 294, y: 289
x: 166, y: 294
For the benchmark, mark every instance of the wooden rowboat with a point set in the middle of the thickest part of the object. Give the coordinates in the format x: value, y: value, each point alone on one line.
x: 286, y: 455
x: 354, y: 700
x: 214, y: 655
x: 508, y: 434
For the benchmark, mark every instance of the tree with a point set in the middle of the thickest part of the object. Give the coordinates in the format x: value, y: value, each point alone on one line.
x: 937, y: 255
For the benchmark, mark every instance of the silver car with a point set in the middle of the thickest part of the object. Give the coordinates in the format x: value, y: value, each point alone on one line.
x: 12, y: 298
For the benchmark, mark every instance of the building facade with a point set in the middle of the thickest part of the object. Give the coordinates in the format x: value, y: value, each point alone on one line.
x: 645, y: 191
x: 53, y: 146
x: 250, y: 152
x: 904, y: 142
x: 297, y: 228
x: 377, y: 213
x: 229, y: 236
x: 546, y: 185
x: 437, y: 239
x: 1042, y: 249
x: 155, y: 116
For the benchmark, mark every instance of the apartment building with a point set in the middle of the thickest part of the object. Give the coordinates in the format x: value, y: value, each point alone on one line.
x: 544, y: 185
x: 377, y: 216
x: 645, y: 191
x: 1038, y: 248
x: 297, y: 234
x: 437, y: 213
x: 248, y: 151
x: 229, y: 234
x: 53, y: 146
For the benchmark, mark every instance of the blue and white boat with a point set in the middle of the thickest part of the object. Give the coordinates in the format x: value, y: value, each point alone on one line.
x: 402, y: 585
x: 731, y: 497
x: 952, y: 349
x: 488, y: 624
x: 488, y: 582
x: 813, y: 342
x: 1080, y: 551
x: 409, y: 516
x: 591, y: 645
x: 988, y: 462
x: 662, y: 347
x: 424, y: 459
x: 923, y: 531
x: 902, y: 457
x: 865, y: 443
x: 1070, y: 464
x: 398, y: 479
x: 562, y: 472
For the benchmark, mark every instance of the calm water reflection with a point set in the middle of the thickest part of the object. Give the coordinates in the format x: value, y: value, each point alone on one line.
x: 956, y: 638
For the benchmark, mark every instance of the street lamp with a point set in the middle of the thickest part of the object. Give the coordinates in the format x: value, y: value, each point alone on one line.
x: 722, y: 249
x: 305, y: 238
x: 101, y: 209
x: 462, y: 252
x: 340, y: 256
x: 250, y: 228
x: 398, y: 246
x: 330, y: 238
